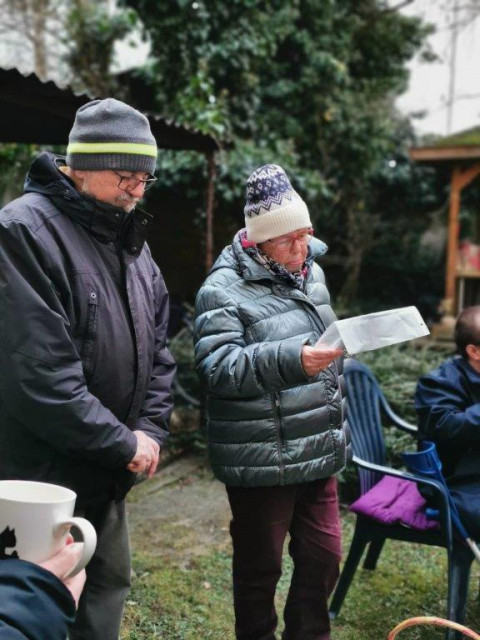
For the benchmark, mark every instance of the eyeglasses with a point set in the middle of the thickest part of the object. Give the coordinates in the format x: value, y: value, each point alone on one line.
x: 128, y: 183
x: 288, y: 242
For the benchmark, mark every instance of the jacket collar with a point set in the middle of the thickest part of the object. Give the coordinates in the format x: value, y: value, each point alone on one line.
x: 235, y: 257
x: 105, y: 222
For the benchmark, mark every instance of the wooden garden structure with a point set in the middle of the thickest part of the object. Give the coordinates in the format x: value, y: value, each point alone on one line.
x: 460, y: 155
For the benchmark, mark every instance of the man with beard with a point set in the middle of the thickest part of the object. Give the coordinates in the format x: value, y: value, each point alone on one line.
x: 85, y: 375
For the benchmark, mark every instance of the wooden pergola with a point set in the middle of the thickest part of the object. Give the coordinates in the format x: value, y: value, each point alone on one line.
x: 460, y: 153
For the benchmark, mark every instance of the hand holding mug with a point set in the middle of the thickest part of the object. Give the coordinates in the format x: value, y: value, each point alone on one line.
x: 62, y: 565
x: 35, y: 522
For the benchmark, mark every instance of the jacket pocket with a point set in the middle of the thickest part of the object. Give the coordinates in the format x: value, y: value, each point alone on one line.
x: 90, y: 334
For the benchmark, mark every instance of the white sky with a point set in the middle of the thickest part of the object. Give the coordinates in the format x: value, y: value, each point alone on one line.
x: 429, y: 82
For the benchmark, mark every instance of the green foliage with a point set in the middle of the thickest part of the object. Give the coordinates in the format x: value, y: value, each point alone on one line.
x: 407, y: 200
x: 467, y: 137
x: 91, y: 34
x: 307, y: 84
x: 14, y: 162
x: 398, y: 368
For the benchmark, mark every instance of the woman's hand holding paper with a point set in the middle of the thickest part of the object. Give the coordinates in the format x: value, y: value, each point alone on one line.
x: 317, y: 358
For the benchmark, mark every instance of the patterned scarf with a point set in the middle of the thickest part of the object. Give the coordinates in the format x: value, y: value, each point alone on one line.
x: 295, y: 279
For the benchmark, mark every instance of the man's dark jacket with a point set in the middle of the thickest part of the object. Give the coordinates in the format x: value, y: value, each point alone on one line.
x: 83, y: 320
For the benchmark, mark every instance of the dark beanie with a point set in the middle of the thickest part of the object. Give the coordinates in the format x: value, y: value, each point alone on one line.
x: 109, y: 134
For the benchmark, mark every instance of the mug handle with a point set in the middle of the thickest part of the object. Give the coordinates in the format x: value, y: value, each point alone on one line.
x: 89, y: 539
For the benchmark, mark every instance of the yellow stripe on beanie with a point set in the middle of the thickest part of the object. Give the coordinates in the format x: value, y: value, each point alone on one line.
x: 134, y: 148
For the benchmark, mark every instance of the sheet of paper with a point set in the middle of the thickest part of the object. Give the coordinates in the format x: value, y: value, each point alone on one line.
x: 375, y: 330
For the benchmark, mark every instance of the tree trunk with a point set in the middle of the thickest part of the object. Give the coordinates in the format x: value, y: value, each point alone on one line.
x: 39, y: 10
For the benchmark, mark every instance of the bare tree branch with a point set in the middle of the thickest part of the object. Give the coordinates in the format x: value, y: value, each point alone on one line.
x: 468, y: 96
x: 397, y: 7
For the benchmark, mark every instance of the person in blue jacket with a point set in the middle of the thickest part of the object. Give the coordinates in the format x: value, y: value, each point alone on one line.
x: 447, y: 401
x: 38, y: 602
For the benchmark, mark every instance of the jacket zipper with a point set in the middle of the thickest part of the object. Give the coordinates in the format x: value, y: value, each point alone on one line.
x: 90, y: 331
x: 280, y: 436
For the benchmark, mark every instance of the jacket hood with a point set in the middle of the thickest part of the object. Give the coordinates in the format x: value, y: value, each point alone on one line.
x: 107, y: 223
x: 234, y: 257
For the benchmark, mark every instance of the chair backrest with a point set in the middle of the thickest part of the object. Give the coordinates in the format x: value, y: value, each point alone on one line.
x: 364, y: 402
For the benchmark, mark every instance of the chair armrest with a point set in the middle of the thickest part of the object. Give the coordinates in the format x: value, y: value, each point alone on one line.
x: 396, y: 420
x: 445, y: 517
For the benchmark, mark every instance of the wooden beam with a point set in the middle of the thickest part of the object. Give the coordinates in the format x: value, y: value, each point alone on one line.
x: 467, y: 175
x: 438, y: 154
x: 452, y: 247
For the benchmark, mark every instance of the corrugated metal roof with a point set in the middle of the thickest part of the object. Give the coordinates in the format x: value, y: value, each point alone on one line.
x: 34, y: 111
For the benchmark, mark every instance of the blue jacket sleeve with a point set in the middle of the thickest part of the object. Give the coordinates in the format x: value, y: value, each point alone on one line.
x: 445, y: 411
x: 34, y: 604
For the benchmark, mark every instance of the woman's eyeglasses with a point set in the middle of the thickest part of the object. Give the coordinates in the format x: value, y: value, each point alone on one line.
x: 289, y: 241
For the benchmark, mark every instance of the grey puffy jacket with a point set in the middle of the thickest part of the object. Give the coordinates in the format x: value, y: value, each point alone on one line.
x: 269, y: 423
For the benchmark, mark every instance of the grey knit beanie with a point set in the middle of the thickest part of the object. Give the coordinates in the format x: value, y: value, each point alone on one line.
x: 109, y: 134
x: 273, y: 207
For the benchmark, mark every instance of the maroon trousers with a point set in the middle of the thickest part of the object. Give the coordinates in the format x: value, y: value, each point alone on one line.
x: 262, y: 516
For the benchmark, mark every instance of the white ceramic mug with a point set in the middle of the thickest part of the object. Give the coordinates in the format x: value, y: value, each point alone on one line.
x: 35, y: 519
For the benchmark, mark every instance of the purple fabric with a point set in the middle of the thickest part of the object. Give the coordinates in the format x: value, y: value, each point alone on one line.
x: 395, y: 500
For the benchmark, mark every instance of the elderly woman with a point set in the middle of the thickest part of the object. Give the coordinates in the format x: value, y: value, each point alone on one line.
x: 275, y: 423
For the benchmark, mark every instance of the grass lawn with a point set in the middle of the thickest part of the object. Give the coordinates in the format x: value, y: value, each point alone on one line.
x: 194, y: 602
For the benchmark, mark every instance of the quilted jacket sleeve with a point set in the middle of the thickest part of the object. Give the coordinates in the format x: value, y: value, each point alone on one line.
x: 41, y: 376
x: 231, y: 368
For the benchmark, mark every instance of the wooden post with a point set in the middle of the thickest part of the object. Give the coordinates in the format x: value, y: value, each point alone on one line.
x: 212, y: 170
x: 452, y: 247
x: 460, y: 179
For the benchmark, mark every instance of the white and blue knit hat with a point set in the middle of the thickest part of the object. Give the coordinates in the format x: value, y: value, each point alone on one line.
x: 109, y: 134
x: 273, y: 207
